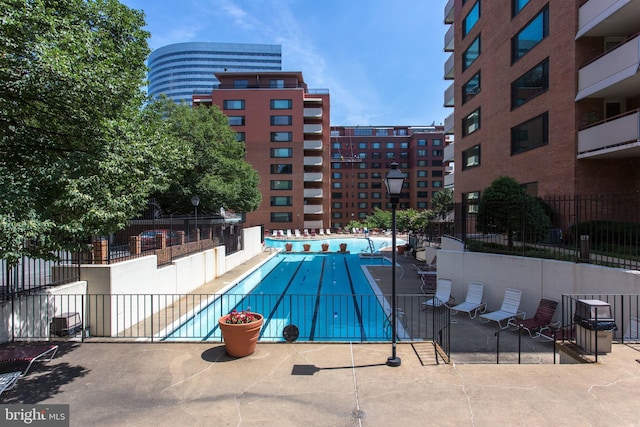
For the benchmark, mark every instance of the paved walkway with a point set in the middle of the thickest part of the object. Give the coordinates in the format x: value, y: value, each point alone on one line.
x: 302, y: 384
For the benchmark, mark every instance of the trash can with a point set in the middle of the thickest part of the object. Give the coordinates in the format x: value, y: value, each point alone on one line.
x: 594, y: 325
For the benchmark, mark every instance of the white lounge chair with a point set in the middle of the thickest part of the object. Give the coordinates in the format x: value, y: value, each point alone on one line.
x: 442, y: 295
x: 328, y: 231
x: 510, y: 309
x: 473, y: 302
x: 321, y: 232
x: 288, y: 234
x: 297, y: 233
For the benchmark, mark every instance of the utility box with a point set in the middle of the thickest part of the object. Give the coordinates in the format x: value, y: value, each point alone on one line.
x: 594, y: 325
x: 66, y: 324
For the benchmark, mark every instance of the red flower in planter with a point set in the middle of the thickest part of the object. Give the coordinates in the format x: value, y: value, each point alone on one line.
x: 245, y: 316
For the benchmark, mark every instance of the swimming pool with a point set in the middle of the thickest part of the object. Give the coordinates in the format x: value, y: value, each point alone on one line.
x: 327, y: 296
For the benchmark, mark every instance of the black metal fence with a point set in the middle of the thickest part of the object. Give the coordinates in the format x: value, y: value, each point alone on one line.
x: 602, y: 230
x: 31, y: 275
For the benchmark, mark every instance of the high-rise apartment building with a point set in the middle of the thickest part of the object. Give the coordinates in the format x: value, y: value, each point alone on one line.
x: 285, y: 128
x: 547, y: 92
x: 360, y: 159
x: 183, y: 69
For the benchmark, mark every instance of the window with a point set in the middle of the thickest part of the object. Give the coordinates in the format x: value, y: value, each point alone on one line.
x: 471, y: 88
x: 471, y: 19
x: 362, y: 165
x: 336, y: 185
x: 472, y: 199
x: 362, y: 155
x: 390, y: 155
x: 422, y: 143
x: 422, y: 184
x: 471, y: 54
x: 336, y: 165
x: 276, y: 83
x: 535, y: 31
x: 233, y: 104
x: 436, y: 184
x: 422, y: 163
x: 336, y: 175
x: 336, y: 205
x: 335, y: 145
x: 517, y: 5
x: 436, y: 153
x: 284, y: 168
x: 362, y: 215
x: 240, y: 84
x: 336, y: 215
x: 436, y: 143
x: 390, y: 145
x: 530, y: 134
x: 436, y: 163
x: 421, y: 153
x: 404, y: 145
x: 423, y: 174
x: 382, y: 132
x: 376, y: 195
x: 362, y: 145
x: 423, y: 205
x: 362, y: 132
x: 281, y: 104
x: 422, y: 194
x: 236, y: 120
x: 363, y: 185
x: 376, y: 175
x: 281, y: 201
x: 404, y: 155
x: 363, y: 205
x: 376, y: 155
x: 281, y: 216
x: 336, y: 195
x: 376, y: 185
x: 436, y: 173
x: 362, y: 175
x: 280, y: 120
x: 401, y: 132
x: 281, y: 136
x: 376, y: 205
x: 471, y: 157
x: 281, y: 184
x: 376, y: 165
x: 471, y: 123
x: 281, y: 152
x: 375, y: 145
x: 530, y: 84
x: 240, y: 136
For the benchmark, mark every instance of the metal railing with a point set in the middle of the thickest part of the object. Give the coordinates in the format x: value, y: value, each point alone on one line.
x: 599, y: 229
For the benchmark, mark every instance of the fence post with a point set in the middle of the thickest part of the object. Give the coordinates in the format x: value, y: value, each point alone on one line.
x: 135, y: 245
x: 101, y: 252
x: 585, y: 249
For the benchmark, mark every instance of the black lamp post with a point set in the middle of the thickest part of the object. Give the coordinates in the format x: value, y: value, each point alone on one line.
x: 195, y: 201
x: 393, y: 181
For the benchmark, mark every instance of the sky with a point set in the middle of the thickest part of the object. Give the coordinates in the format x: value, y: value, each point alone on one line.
x: 381, y: 60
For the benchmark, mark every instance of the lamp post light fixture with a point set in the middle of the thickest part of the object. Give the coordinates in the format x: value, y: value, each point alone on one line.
x: 195, y: 201
x: 393, y: 181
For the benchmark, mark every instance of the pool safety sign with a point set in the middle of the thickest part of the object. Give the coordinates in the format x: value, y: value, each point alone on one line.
x: 34, y: 415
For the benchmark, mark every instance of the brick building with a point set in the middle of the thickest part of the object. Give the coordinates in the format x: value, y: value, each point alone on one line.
x: 285, y: 128
x: 360, y: 159
x: 547, y: 92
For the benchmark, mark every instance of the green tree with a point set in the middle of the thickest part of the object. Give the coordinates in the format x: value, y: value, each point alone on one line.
x: 77, y: 155
x: 443, y: 203
x: 506, y: 208
x: 379, y: 219
x: 215, y: 169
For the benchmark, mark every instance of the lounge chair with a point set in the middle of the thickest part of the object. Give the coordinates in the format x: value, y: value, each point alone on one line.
x: 322, y: 232
x: 328, y: 231
x: 441, y: 297
x: 275, y: 233
x: 22, y: 357
x: 297, y: 233
x: 306, y: 233
x: 288, y: 234
x: 8, y: 380
x: 473, y: 302
x: 510, y: 309
x: 541, y: 320
x: 429, y: 280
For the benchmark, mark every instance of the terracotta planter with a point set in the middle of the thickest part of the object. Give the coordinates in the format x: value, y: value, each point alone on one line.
x: 343, y: 247
x: 240, y: 339
x: 325, y: 247
x: 288, y: 246
x: 306, y: 247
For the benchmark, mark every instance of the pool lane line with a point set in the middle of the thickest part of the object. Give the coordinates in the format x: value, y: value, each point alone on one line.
x: 363, y: 334
x: 272, y: 271
x: 280, y: 298
x: 312, y: 332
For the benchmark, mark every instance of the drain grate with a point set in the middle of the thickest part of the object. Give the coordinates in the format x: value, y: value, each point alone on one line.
x: 357, y: 413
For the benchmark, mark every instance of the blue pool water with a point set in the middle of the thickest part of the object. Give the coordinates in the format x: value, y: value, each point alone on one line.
x: 354, y: 244
x: 328, y: 297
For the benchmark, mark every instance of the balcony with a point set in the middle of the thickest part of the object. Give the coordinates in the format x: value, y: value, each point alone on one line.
x: 312, y: 193
x: 448, y: 153
x: 313, y: 177
x: 599, y: 18
x: 613, y: 139
x: 448, y: 68
x: 313, y: 209
x: 312, y: 225
x: 314, y: 113
x: 449, y: 180
x: 449, y: 38
x: 314, y: 144
x: 312, y: 161
x: 449, y: 123
x: 613, y: 75
x: 448, y: 96
x: 313, y: 129
x: 449, y: 12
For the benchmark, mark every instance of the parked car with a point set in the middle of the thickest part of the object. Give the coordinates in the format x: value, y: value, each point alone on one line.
x: 148, y: 238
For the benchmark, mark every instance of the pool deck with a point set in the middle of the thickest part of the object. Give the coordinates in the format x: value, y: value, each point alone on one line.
x: 197, y: 384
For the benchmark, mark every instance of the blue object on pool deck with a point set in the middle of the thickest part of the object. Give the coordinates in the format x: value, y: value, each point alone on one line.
x: 327, y: 297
